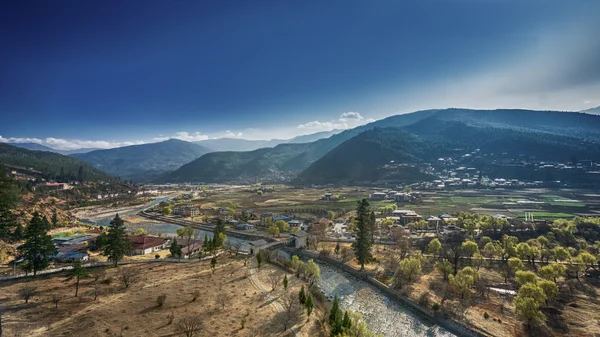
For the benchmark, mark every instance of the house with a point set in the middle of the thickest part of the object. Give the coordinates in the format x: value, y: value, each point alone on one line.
x: 244, y: 226
x: 434, y: 221
x: 300, y: 239
x: 256, y: 246
x: 186, y: 210
x: 283, y: 217
x: 406, y: 216
x: 74, y: 240
x: 402, y: 196
x: 188, y: 249
x: 327, y: 196
x: 295, y: 223
x: 378, y: 196
x: 145, y: 244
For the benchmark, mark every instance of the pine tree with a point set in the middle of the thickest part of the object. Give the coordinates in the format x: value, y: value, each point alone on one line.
x: 175, y: 249
x: 54, y: 218
x: 78, y: 272
x: 346, y: 322
x: 302, y: 296
x: 363, y: 243
x: 117, y: 243
x: 38, y: 246
x: 285, y: 282
x: 217, y: 238
x: 337, y: 249
x: 309, y: 305
x: 213, y: 264
x: 335, y: 314
x: 259, y: 259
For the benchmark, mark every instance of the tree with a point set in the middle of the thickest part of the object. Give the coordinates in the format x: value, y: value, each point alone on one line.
x: 291, y: 309
x: 410, y: 267
x: 101, y: 240
x: 187, y: 233
x: 464, y: 280
x: 128, y: 276
x: 282, y: 225
x: 335, y: 313
x: 54, y: 218
x: 219, y: 237
x: 588, y: 259
x: 274, y: 281
x: 27, y: 292
x: 363, y: 244
x: 560, y: 253
x: 259, y: 259
x: 78, y: 272
x: 285, y: 282
x: 302, y: 296
x: 492, y: 249
x: 189, y: 326
x: 312, y: 271
x: 140, y: 231
x: 337, y: 249
x: 213, y: 264
x: 514, y: 264
x: 9, y: 198
x: 175, y: 249
x: 528, y: 252
x: 527, y: 304
x: 470, y: 248
x: 523, y: 276
x: 550, y: 289
x: 309, y: 304
x: 38, y: 246
x: 167, y: 210
x: 434, y: 247
x: 331, y: 215
x: 273, y: 230
x: 55, y: 299
x: 444, y: 267
x: 355, y: 326
x: 117, y: 243
x: 453, y: 249
x: 223, y: 298
x: 509, y: 244
x: 553, y: 271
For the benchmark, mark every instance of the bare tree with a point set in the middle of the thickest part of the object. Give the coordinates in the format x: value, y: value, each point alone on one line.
x: 291, y: 307
x: 189, y: 326
x: 195, y: 295
x: 128, y: 276
x: 27, y: 293
x: 170, y: 318
x: 236, y: 246
x: 96, y: 290
x: 55, y: 299
x: 160, y: 300
x: 222, y: 298
x: 274, y: 281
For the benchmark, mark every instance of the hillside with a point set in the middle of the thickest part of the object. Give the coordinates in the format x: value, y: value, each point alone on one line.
x: 430, y: 127
x: 49, y: 165
x: 391, y: 154
x: 236, y: 144
x: 38, y: 147
x: 144, y: 162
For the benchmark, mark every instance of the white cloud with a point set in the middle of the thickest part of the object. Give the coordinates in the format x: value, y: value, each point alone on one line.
x: 70, y: 144
x: 183, y: 135
x: 347, y: 120
x: 231, y: 134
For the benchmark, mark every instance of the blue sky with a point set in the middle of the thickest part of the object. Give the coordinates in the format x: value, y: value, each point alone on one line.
x: 109, y: 73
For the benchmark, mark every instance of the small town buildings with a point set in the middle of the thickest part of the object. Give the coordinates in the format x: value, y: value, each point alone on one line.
x: 191, y: 248
x: 256, y: 246
x: 402, y: 196
x: 146, y: 244
x: 295, y: 223
x: 244, y: 226
x: 434, y: 221
x: 283, y: 217
x: 186, y: 210
x: 378, y: 196
x: 327, y: 196
x: 300, y: 239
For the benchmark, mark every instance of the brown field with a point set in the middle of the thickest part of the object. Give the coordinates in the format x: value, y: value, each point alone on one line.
x: 134, y: 311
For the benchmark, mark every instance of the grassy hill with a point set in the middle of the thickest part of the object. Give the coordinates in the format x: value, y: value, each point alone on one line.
x: 49, y: 165
x: 413, y: 137
x: 144, y: 162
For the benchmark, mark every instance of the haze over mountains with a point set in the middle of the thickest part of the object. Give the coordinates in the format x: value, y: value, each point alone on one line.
x: 237, y: 144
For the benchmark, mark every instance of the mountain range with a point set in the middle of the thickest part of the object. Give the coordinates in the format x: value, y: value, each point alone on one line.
x: 49, y: 165
x: 145, y: 162
x: 39, y: 147
x: 359, y: 154
x: 237, y: 144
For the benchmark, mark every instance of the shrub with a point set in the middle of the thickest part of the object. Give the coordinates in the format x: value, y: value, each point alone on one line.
x: 486, y: 315
x: 157, y: 256
x: 435, y: 307
x: 170, y: 318
x: 160, y: 300
x: 424, y: 299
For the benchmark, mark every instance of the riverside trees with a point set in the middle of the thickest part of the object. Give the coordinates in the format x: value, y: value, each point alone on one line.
x: 363, y: 243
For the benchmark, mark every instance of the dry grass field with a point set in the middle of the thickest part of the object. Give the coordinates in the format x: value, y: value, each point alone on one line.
x: 226, y: 299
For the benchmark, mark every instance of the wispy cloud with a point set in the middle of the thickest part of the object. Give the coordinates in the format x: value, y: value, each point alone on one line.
x: 183, y: 135
x: 70, y: 144
x: 347, y: 120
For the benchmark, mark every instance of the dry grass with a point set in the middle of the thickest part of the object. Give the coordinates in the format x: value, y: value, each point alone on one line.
x: 134, y: 312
